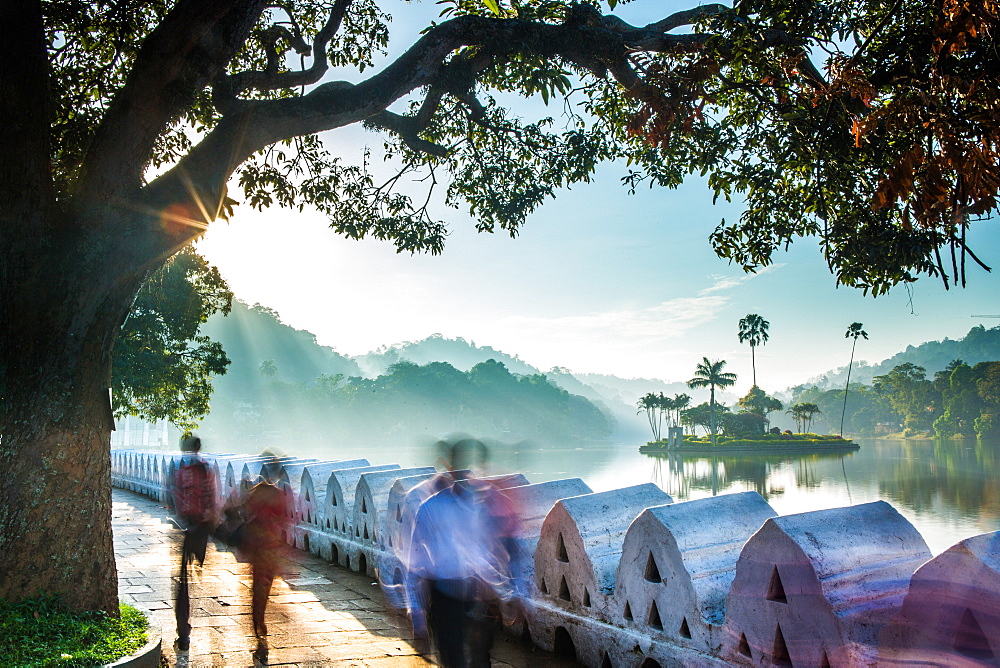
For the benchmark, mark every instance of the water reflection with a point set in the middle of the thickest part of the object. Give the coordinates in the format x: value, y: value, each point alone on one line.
x: 684, y: 476
x: 950, y: 490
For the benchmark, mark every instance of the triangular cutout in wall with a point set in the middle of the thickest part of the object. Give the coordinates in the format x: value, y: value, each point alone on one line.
x: 564, y: 590
x: 685, y: 630
x: 780, y: 656
x: 561, y: 554
x: 970, y: 639
x: 744, y: 647
x: 652, y: 572
x: 586, y: 597
x: 606, y: 661
x: 628, y: 611
x: 654, y: 617
x: 776, y: 590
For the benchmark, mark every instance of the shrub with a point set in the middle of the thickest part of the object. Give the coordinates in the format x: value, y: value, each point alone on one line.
x: 43, y: 632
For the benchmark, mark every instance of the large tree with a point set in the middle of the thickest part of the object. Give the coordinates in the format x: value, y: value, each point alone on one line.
x: 122, y: 123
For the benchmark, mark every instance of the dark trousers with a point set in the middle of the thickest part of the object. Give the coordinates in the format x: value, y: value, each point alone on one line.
x: 263, y: 578
x: 447, y: 617
x: 194, y: 547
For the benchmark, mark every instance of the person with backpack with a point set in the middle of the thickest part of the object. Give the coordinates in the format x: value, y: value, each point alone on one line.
x: 193, y: 492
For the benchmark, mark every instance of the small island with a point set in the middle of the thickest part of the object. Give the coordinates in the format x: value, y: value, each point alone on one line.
x: 784, y: 443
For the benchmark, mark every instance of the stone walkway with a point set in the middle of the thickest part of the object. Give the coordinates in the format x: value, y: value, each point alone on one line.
x: 318, y: 615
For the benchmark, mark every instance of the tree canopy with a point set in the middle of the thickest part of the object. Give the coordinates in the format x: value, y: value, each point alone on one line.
x: 163, y: 366
x: 868, y: 125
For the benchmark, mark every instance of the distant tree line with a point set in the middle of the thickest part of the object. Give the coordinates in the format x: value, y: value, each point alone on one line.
x: 408, y: 401
x: 959, y: 400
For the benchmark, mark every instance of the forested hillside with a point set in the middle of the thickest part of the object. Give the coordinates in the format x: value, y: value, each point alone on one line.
x: 253, y: 335
x: 979, y: 345
x: 410, y: 402
x: 458, y: 352
x: 283, y: 386
x: 959, y: 400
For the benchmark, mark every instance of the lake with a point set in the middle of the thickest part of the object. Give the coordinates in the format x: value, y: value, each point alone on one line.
x: 950, y: 490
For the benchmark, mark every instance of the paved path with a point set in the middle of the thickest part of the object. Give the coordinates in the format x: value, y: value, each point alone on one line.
x: 318, y: 615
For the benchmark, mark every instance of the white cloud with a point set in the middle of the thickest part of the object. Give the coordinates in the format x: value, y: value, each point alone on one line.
x: 729, y: 282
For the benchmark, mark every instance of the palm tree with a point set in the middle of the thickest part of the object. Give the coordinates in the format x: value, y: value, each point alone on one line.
x: 680, y: 402
x: 710, y: 374
x: 803, y: 414
x: 809, y: 411
x: 651, y: 404
x: 753, y: 330
x: 854, y: 331
x: 268, y: 369
x: 798, y: 415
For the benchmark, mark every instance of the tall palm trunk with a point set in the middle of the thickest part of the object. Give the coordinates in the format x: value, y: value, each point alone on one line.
x: 753, y: 363
x: 711, y: 410
x: 846, y: 387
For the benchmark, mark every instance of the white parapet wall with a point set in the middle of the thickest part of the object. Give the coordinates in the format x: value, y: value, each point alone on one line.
x: 951, y: 615
x: 581, y: 544
x: 371, y: 500
x: 312, y: 490
x: 678, y: 562
x: 340, y: 495
x: 815, y: 588
x: 811, y: 589
x: 532, y: 504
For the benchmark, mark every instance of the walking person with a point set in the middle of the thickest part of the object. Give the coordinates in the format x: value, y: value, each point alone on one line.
x: 457, y: 565
x: 193, y: 492
x: 263, y: 540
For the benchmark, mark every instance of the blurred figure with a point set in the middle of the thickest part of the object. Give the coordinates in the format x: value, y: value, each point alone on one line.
x: 193, y: 492
x: 262, y: 541
x: 457, y: 562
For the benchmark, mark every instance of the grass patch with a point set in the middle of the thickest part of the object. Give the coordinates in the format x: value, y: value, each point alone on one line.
x: 761, y: 440
x: 43, y: 632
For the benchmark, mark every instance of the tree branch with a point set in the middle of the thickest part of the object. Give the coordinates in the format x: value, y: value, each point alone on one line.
x: 687, y: 17
x: 260, y: 123
x: 178, y: 58
x: 407, y: 127
x: 227, y: 88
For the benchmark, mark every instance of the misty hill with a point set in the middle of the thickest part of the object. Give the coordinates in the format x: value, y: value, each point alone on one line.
x: 615, y: 396
x: 461, y: 354
x: 979, y: 345
x: 253, y: 334
x: 409, y: 403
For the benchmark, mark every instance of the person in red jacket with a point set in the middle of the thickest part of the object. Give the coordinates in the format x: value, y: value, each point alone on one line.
x: 262, y: 545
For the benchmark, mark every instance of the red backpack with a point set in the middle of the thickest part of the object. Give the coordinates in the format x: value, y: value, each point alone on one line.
x: 192, y: 490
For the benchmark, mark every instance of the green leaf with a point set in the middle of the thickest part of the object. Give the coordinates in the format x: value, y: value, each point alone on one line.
x: 493, y: 6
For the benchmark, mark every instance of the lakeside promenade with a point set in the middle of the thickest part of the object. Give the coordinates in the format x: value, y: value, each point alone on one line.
x: 317, y: 615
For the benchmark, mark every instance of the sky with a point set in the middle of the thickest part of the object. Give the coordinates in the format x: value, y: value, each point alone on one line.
x: 597, y: 281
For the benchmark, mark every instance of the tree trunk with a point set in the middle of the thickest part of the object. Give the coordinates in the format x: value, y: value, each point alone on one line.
x: 843, y: 413
x: 711, y: 411
x: 61, y: 308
